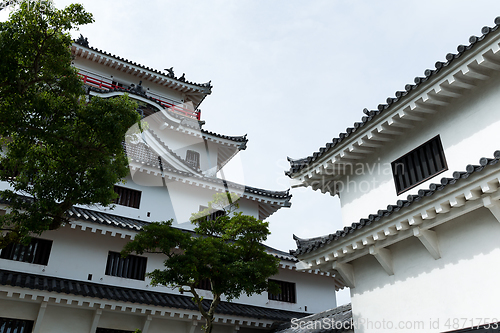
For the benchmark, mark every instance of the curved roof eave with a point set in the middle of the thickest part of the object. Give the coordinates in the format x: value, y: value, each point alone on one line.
x: 264, y: 197
x: 305, y: 246
x: 204, y: 88
x: 298, y: 165
x: 175, y: 119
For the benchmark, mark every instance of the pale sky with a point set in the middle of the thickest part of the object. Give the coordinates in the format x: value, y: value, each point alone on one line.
x: 290, y: 74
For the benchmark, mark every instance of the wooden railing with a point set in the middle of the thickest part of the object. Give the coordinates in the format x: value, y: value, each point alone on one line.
x: 98, y: 83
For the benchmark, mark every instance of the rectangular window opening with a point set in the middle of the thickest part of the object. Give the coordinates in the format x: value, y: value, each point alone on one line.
x: 204, y: 285
x: 287, y: 293
x: 127, y: 197
x: 419, y: 165
x: 36, y: 252
x: 131, y: 267
x: 8, y: 325
x: 193, y: 158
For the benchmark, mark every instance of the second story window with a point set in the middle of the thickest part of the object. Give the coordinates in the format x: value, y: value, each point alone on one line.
x: 419, y: 165
x: 287, y: 293
x: 193, y: 158
x: 36, y: 252
x: 127, y: 197
x: 204, y: 285
x: 131, y: 267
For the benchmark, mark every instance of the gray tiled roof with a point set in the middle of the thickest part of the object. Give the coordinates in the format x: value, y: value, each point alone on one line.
x: 242, y: 138
x: 112, y: 220
x: 280, y: 254
x: 96, y: 290
x: 143, y: 153
x: 204, y: 86
x: 133, y: 149
x: 298, y: 164
x: 106, y: 218
x: 335, y: 320
x: 311, y: 244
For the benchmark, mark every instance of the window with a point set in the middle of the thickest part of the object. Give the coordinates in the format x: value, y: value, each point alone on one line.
x: 8, y: 325
x: 36, y: 252
x: 204, y: 285
x: 193, y: 158
x: 127, y: 197
x: 213, y: 215
x: 287, y: 293
x: 419, y: 165
x: 109, y: 330
x: 131, y: 267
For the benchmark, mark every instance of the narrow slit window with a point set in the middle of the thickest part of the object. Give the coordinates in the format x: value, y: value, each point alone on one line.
x: 419, y: 165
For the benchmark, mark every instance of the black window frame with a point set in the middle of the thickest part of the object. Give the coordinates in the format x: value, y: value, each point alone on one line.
x: 127, y: 197
x: 288, y: 292
x: 193, y: 158
x: 131, y: 267
x: 419, y: 165
x: 36, y: 252
x: 11, y: 325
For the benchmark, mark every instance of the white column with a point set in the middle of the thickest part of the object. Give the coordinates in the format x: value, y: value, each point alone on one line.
x: 95, y: 321
x: 145, y: 329
x: 39, y: 318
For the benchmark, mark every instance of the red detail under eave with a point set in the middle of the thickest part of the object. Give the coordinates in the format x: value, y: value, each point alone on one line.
x: 92, y: 81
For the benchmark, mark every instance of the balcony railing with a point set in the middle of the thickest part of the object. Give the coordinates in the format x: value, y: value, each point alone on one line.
x: 98, y: 83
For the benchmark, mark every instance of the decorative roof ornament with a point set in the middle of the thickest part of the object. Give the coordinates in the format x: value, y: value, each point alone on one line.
x: 83, y: 41
x: 170, y: 72
x: 183, y: 78
x: 138, y: 89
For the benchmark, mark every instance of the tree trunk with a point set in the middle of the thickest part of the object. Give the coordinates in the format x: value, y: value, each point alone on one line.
x: 209, y: 324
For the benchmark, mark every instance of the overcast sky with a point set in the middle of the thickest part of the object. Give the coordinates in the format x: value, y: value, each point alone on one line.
x: 290, y: 74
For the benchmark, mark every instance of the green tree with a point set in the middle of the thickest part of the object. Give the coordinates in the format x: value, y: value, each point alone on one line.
x: 226, y: 251
x: 58, y: 148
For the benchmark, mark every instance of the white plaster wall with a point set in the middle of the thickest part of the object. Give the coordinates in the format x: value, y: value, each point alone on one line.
x: 176, y: 200
x: 426, y: 293
x: 76, y: 254
x: 18, y: 309
x: 468, y: 128
x: 155, y: 199
x: 314, y: 292
x: 121, y: 321
x: 61, y: 319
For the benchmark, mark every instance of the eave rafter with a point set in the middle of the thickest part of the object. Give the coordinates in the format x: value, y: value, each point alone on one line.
x: 480, y: 192
x: 450, y: 83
